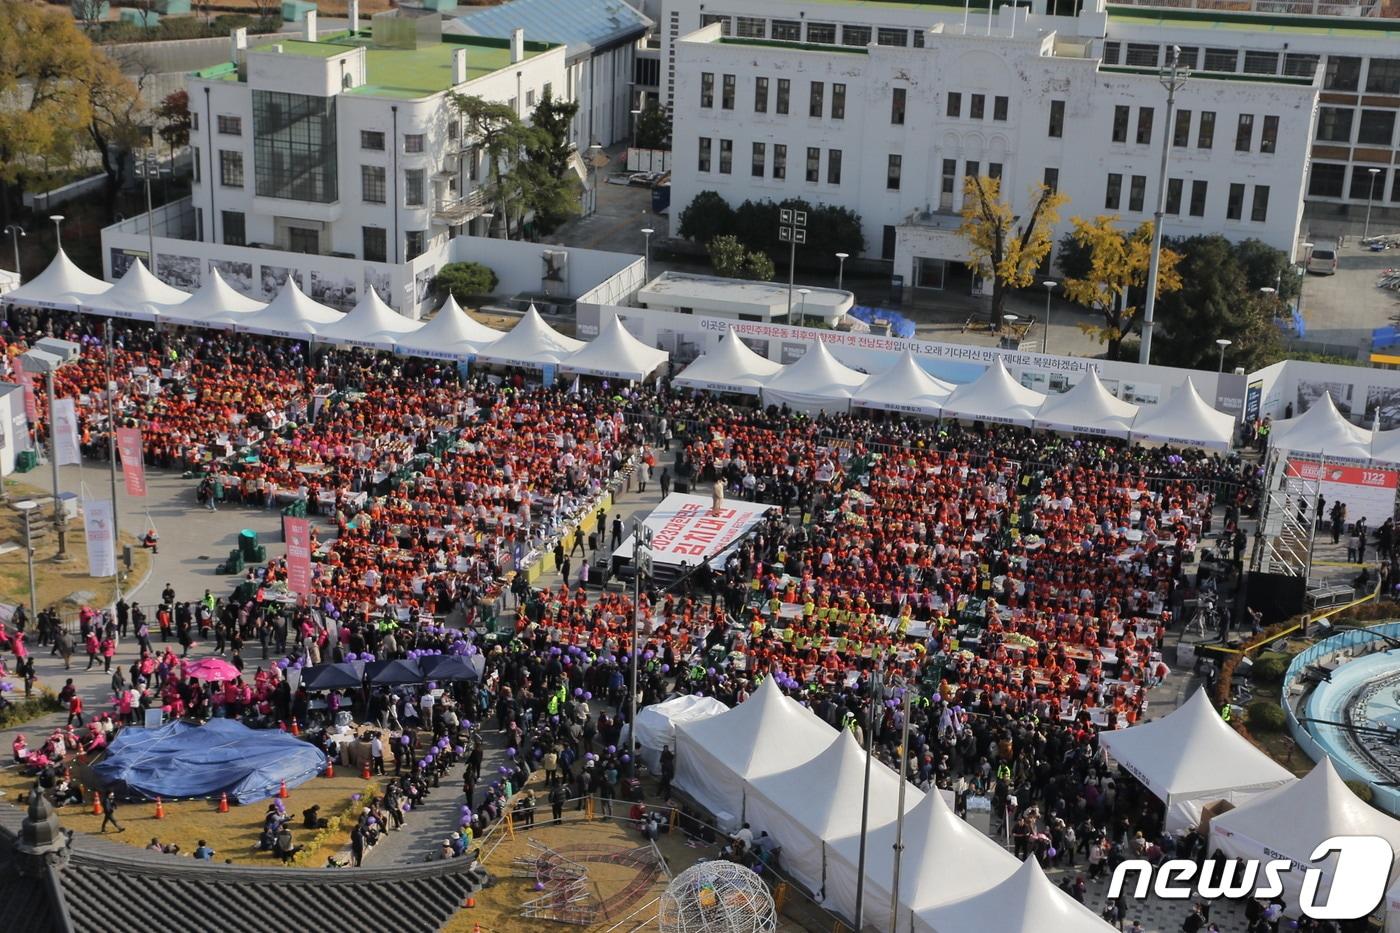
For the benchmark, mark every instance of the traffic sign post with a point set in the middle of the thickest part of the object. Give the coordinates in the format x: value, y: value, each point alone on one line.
x: 792, y: 230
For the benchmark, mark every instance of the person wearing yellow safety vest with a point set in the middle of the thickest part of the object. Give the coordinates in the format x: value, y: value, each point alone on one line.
x: 1225, y: 711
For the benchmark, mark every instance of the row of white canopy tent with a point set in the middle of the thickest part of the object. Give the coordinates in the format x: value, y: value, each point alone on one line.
x: 773, y: 763
x: 451, y: 334
x: 1323, y: 430
x: 819, y: 381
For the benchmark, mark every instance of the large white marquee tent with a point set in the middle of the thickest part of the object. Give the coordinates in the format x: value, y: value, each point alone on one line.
x: 291, y: 314
x: 906, y: 386
x: 452, y: 334
x: 656, y: 724
x: 615, y: 354
x: 730, y: 367
x: 61, y: 285
x: 994, y: 396
x: 1323, y: 430
x: 1026, y: 902
x: 1185, y: 420
x: 816, y: 382
x: 217, y: 304
x: 531, y: 343
x: 1087, y: 408
x: 139, y: 296
x: 371, y: 323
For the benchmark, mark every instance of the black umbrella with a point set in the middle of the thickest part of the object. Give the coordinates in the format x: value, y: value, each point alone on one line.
x: 393, y: 673
x: 447, y: 667
x: 331, y: 676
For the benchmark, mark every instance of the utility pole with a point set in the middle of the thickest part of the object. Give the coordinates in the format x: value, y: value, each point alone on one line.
x: 899, y: 816
x: 1173, y: 79
x: 641, y: 565
x: 792, y: 230
x: 876, y: 696
x: 60, y: 520
x: 112, y: 450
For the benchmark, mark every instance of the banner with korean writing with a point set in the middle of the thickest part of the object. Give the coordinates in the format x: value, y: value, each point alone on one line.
x: 31, y: 404
x: 298, y: 534
x: 1367, y: 492
x: 686, y: 528
x: 99, y: 531
x: 133, y: 460
x: 65, y: 431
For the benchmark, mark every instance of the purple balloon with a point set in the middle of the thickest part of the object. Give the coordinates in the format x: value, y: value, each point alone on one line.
x: 626, y: 758
x: 578, y: 691
x: 612, y: 749
x: 510, y: 752
x: 587, y: 695
x: 665, y: 668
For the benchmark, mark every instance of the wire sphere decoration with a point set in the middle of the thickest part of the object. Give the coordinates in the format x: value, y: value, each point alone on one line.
x: 717, y: 897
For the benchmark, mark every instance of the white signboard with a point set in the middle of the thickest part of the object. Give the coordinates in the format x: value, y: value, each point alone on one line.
x: 101, y: 546
x: 687, y: 528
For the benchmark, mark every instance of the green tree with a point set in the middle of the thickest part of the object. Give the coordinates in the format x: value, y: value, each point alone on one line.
x: 653, y: 130
x: 115, y: 127
x: 464, y: 281
x: 707, y: 216
x: 830, y: 230
x: 1105, y: 268
x: 503, y: 138
x: 1215, y: 301
x: 1266, y: 267
x: 1000, y: 244
x: 731, y: 259
x: 173, y: 116
x: 552, y: 189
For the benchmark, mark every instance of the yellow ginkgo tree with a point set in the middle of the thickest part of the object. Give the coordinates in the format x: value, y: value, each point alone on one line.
x: 1116, y: 260
x: 1007, y: 246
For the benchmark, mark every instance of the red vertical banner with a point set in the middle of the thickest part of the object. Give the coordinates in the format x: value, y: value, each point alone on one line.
x: 133, y: 460
x: 31, y: 406
x: 298, y: 534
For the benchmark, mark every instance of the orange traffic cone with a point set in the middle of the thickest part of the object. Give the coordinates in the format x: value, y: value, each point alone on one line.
x: 160, y: 809
x: 471, y: 902
x: 364, y: 772
x: 282, y: 791
x: 223, y: 802
x: 96, y: 804
x: 330, y: 768
x: 296, y: 729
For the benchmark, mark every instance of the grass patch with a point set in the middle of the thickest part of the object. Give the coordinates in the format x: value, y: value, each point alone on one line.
x: 21, y: 711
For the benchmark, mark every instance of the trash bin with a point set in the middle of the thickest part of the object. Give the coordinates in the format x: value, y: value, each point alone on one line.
x: 247, y: 543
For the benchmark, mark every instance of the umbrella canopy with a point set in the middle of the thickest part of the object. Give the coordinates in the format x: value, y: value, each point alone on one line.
x: 393, y: 673
x: 452, y: 334
x: 217, y: 304
x: 447, y: 667
x: 371, y: 323
x: 331, y: 676
x: 211, y: 669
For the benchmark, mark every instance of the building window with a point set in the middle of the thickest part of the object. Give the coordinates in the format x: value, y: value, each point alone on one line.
x: 1173, y: 196
x: 1137, y: 192
x: 235, y: 231
x: 999, y: 108
x: 954, y: 104
x: 1144, y: 127
x: 751, y: 27
x: 1297, y: 65
x: 838, y: 101
x: 760, y: 156
x: 413, y: 187
x: 918, y: 38
x: 294, y: 146
x: 1111, y: 51
x: 1343, y: 73
x: 1057, y: 119
x: 1377, y: 127
x: 1261, y: 63
x: 414, y: 243
x: 972, y: 169
x: 726, y: 156
x: 948, y: 183
x: 454, y: 127
x: 1121, y: 115
x: 707, y: 89
x: 994, y: 170
x: 1363, y: 183
x: 1181, y: 132
x: 1234, y: 204
x: 1244, y: 132
x: 897, y: 106
x: 816, y: 102
x: 1334, y: 124
x: 194, y: 119
x: 530, y: 99
x: 1326, y: 180
x: 787, y: 30
x: 892, y: 171
x: 1395, y: 188
x: 821, y: 33
x: 760, y: 95
x: 779, y: 161
x: 198, y: 163
x: 814, y: 164
x: 833, y: 166
x: 888, y: 236
x: 977, y: 109
x: 1225, y: 60
x: 709, y: 19
x: 784, y: 92
x: 1259, y: 212
x: 726, y: 101
x: 1052, y: 179
x: 372, y: 184
x: 230, y: 168
x: 857, y: 36
x: 704, y: 161
x: 374, y: 244
x: 897, y: 37
x: 1198, y: 199
x: 412, y: 142
x: 1205, y: 133
x: 1142, y: 55
x: 1383, y: 76
x: 1189, y: 56
x: 1113, y: 192
x: 372, y: 139
x: 230, y: 126
x: 303, y: 240
x: 1268, y: 136
x: 473, y: 158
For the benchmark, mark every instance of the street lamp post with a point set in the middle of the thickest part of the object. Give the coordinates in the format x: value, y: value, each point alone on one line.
x: 112, y: 446
x: 59, y: 519
x: 57, y: 228
x: 26, y: 508
x: 1049, y: 288
x: 150, y: 165
x: 1222, y: 343
x: 1370, y: 195
x: 646, y: 262
x: 594, y: 151
x: 16, y: 231
x: 792, y: 229
x: 636, y: 121
x: 641, y: 563
x: 802, y: 306
x: 841, y: 268
x: 1173, y: 79
x: 1008, y: 322
x: 877, y: 697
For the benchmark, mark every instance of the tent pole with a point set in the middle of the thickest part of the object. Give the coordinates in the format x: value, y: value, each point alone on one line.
x: 875, y: 695
x: 899, y: 814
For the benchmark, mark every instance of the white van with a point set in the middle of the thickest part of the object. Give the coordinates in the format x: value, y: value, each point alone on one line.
x: 1323, y: 261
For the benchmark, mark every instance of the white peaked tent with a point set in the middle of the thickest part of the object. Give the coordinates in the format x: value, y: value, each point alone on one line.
x: 615, y: 354
x: 729, y: 367
x: 1322, y: 429
x: 816, y: 382
x: 61, y: 285
x: 139, y: 295
x: 765, y: 734
x: 1026, y: 902
x: 1191, y: 758
x: 994, y: 396
x: 371, y: 323
x: 656, y: 724
x: 452, y: 334
x: 1392, y: 908
x: 904, y: 387
x: 216, y: 304
x: 1186, y: 420
x: 531, y: 343
x: 807, y: 805
x: 1087, y: 408
x: 944, y: 859
x: 291, y: 314
x: 1385, y: 446
x: 1290, y: 821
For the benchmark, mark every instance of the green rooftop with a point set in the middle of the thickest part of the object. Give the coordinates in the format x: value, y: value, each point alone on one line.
x: 401, y: 73
x: 1349, y: 27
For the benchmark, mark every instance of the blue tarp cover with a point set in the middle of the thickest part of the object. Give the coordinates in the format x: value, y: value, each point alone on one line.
x: 223, y: 756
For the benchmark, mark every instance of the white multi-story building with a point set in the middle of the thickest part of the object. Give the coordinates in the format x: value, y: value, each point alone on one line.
x: 891, y: 132
x: 347, y: 145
